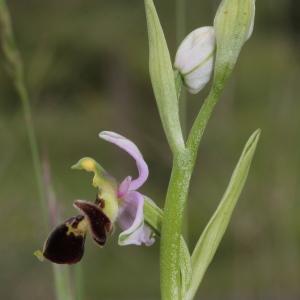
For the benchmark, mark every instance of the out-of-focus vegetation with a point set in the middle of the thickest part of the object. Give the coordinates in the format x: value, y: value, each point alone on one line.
x: 87, y: 70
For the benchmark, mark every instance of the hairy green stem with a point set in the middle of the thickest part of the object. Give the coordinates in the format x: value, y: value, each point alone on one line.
x: 172, y: 226
x: 177, y: 194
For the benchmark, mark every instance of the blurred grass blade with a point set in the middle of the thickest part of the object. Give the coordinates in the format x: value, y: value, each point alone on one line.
x: 62, y: 282
x: 14, y: 66
x: 162, y: 78
x: 9, y: 50
x: 215, y: 229
x: 79, y: 284
x: 153, y: 217
x: 62, y: 274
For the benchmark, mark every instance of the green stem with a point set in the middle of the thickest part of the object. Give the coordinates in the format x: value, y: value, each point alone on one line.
x: 177, y: 194
x: 172, y: 226
x: 201, y: 121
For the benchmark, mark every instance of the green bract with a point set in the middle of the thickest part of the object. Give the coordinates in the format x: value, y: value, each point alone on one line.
x: 162, y: 78
x: 211, y: 237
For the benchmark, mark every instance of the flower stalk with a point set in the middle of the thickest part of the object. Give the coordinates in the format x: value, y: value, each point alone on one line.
x: 202, y: 119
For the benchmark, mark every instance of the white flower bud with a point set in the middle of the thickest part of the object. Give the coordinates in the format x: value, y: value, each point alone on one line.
x: 194, y: 58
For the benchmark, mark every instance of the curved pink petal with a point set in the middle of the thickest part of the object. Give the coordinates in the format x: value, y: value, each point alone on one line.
x: 124, y: 186
x: 132, y: 150
x: 131, y: 220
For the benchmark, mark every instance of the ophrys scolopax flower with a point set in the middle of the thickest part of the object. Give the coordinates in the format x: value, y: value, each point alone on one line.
x: 115, y: 203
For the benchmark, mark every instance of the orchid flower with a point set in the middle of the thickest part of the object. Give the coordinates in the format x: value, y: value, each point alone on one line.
x: 115, y: 203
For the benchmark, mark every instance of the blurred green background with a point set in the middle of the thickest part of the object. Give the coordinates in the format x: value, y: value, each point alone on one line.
x: 87, y: 70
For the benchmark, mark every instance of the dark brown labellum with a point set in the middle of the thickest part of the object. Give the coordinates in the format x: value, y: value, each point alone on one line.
x: 65, y: 244
x: 99, y: 223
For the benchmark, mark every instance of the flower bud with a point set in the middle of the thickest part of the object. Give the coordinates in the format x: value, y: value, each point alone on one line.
x: 194, y: 58
x: 233, y: 25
